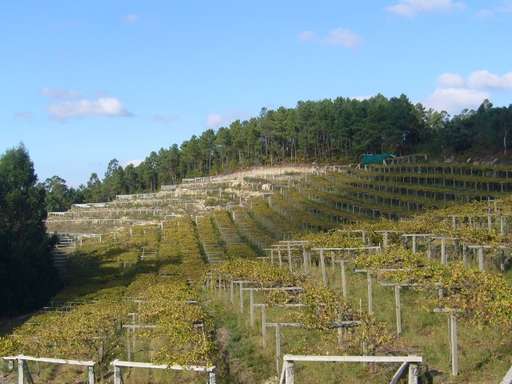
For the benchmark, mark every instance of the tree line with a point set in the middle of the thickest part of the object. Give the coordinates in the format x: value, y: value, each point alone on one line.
x: 314, y: 131
x: 27, y: 275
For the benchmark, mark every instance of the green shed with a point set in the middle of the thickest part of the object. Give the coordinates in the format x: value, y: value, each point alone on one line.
x: 378, y: 158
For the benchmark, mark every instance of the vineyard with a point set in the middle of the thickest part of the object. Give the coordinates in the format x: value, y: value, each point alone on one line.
x: 392, y: 274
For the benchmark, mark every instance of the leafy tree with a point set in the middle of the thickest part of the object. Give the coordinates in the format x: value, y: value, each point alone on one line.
x: 314, y: 131
x: 27, y: 275
x: 60, y: 197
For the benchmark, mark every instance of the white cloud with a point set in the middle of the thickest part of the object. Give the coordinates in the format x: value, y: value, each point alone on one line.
x: 454, y: 100
x: 454, y: 92
x: 103, y: 106
x: 60, y: 94
x: 483, y: 79
x: 131, y: 18
x: 451, y: 80
x: 410, y: 8
x: 307, y: 36
x: 343, y: 37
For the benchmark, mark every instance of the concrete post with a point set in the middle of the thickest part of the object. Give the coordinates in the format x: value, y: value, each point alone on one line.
x: 289, y: 257
x: 453, y: 345
x: 21, y: 371
x: 241, y: 297
x: 398, y: 312
x: 413, y: 374
x: 322, y: 267
x: 305, y: 258
x: 91, y: 375
x: 251, y: 307
x: 264, y: 325
x: 481, y: 265
x: 370, y: 293
x: 444, y: 258
x: 278, y: 348
x: 343, y: 279
x: 288, y: 373
x: 117, y: 375
x: 385, y: 240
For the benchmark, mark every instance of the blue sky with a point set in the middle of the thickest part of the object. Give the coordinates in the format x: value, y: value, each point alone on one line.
x: 84, y: 82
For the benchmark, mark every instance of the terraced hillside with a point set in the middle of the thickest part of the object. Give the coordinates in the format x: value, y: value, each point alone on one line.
x: 193, y: 197
x: 268, y: 292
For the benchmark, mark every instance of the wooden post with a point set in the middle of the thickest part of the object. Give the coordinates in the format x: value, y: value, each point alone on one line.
x: 343, y: 279
x: 288, y: 373
x: 272, y: 256
x: 370, y: 294
x: 279, y: 257
x: 413, y: 243
x: 251, y: 307
x: 322, y: 267
x: 21, y: 371
x: 91, y: 375
x: 211, y: 378
x: 453, y: 345
x: 232, y: 292
x: 481, y: 265
x: 429, y: 249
